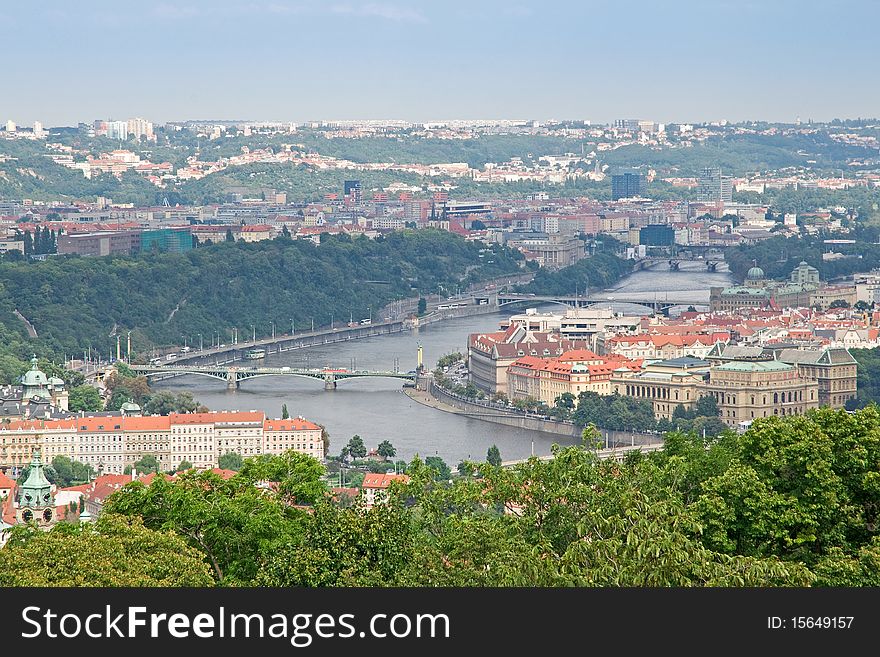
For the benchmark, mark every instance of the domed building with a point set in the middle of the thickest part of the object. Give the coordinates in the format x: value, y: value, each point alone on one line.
x: 35, y: 385
x: 755, y: 277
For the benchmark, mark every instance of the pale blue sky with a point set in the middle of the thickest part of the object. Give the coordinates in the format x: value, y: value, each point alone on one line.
x: 295, y: 60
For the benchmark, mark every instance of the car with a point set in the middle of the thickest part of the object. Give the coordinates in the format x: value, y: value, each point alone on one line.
x: 284, y: 369
x: 222, y: 345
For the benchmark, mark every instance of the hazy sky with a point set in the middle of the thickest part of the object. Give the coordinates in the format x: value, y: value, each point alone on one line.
x: 295, y: 60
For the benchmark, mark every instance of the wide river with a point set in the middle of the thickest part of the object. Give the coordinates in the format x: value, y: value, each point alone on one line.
x: 377, y: 409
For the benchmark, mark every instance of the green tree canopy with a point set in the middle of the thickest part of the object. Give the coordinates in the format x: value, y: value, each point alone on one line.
x: 115, y: 551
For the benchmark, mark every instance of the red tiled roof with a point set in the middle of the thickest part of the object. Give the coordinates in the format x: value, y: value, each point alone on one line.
x: 381, y: 480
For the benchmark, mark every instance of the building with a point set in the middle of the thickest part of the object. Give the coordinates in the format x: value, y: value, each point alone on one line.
x: 743, y: 390
x: 712, y: 187
x: 804, y: 275
x: 111, y: 441
x: 657, y: 235
x: 352, y: 189
x: 453, y: 209
x: 552, y: 250
x: 117, y: 130
x: 35, y: 396
x: 490, y: 354
x: 573, y: 372
x: 374, y: 489
x: 103, y: 243
x: 838, y: 295
x: 833, y: 369
x: 36, y: 499
x: 746, y: 391
x: 174, y: 240
x: 627, y: 183
x: 666, y: 383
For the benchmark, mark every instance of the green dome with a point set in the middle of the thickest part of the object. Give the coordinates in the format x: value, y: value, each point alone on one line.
x: 34, y: 378
x: 755, y: 274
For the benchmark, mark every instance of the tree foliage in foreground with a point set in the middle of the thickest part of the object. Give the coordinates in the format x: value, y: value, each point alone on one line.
x: 115, y: 551
x: 793, y: 501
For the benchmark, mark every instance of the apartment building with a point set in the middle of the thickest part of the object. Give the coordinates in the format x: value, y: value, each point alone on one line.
x: 110, y: 442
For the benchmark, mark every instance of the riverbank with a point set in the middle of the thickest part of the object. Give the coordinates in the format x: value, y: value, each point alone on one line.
x: 442, y: 400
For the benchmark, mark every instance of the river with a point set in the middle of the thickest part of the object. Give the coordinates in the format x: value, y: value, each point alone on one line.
x: 377, y: 409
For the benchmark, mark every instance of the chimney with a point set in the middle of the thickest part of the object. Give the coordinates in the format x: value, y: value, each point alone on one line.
x: 133, y: 474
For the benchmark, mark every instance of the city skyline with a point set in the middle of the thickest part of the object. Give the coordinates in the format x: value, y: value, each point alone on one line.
x: 419, y: 61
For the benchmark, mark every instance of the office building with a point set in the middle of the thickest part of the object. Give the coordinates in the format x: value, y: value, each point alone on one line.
x: 626, y: 183
x: 657, y: 235
x: 352, y: 190
x: 713, y: 187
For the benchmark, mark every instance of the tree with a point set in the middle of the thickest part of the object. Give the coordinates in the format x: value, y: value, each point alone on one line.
x: 184, y: 465
x: 707, y: 406
x: 423, y: 306
x: 233, y: 523
x: 839, y: 303
x: 284, y: 412
x: 229, y: 236
x: 356, y: 447
x: 114, y: 551
x: 85, y: 398
x: 230, y: 461
x: 386, y: 450
x: 493, y: 456
x: 70, y: 472
x: 438, y: 465
x: 147, y: 464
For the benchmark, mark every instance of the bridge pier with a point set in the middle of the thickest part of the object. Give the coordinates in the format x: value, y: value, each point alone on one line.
x: 232, y: 382
x: 329, y: 382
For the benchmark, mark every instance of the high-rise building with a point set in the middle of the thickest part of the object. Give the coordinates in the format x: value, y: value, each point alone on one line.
x: 140, y: 128
x: 10, y: 126
x: 352, y: 188
x: 117, y: 130
x: 38, y: 129
x: 713, y: 187
x: 626, y: 183
x: 630, y: 125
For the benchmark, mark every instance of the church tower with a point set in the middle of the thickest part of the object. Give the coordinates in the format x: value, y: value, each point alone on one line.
x: 36, y: 503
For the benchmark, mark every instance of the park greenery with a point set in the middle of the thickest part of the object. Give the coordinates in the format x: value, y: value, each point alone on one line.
x: 792, y: 501
x: 778, y: 256
x: 78, y: 305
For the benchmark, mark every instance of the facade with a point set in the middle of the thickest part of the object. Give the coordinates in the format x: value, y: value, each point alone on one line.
x: 667, y: 383
x: 175, y: 240
x: 112, y: 441
x: 833, y: 369
x: 574, y: 372
x: 627, y: 183
x: 120, y: 242
x: 657, y: 235
x: 551, y: 250
x: 490, y: 354
x: 804, y: 274
x: 746, y: 391
x: 824, y: 297
x: 352, y: 189
x: 374, y: 489
x: 712, y: 187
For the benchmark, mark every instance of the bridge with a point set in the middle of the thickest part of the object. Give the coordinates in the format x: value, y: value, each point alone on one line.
x: 673, y: 263
x: 658, y: 305
x: 233, y: 376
